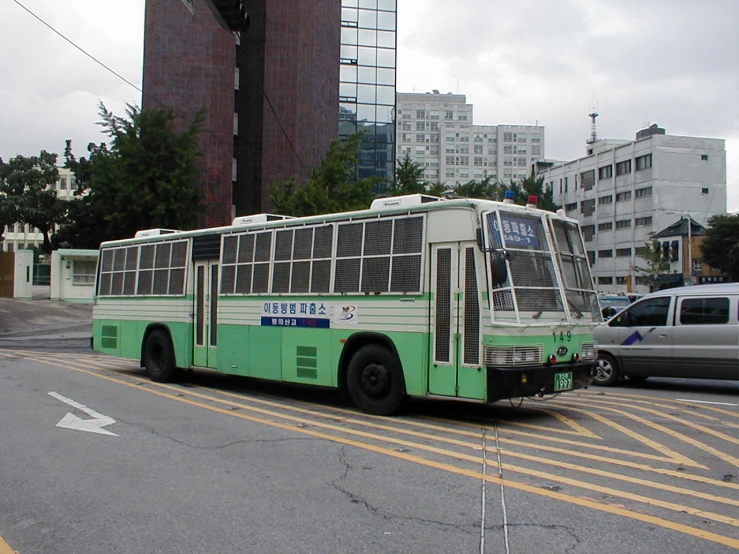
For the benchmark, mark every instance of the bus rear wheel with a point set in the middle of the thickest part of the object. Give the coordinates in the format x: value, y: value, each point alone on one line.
x: 159, y: 357
x: 375, y: 380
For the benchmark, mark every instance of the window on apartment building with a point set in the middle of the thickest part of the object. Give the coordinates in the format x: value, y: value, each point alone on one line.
x: 450, y: 138
x: 587, y: 207
x: 608, y: 199
x: 406, y: 126
x: 464, y: 160
x: 420, y: 125
x: 236, y: 123
x: 643, y: 162
x: 560, y: 186
x: 644, y: 192
x: 237, y: 76
x: 478, y: 138
x: 605, y: 172
x: 536, y: 150
x: 450, y: 173
x: 605, y: 280
x: 478, y: 148
x: 507, y: 149
x: 406, y: 137
x: 507, y: 137
x: 521, y: 137
x: 462, y: 116
x: 587, y: 179
x: 420, y: 114
x: 464, y: 138
x: 605, y: 253
x: 607, y: 226
x: 407, y: 116
x: 623, y: 224
x: 63, y: 184
x: 234, y: 169
x: 493, y: 140
x: 478, y: 161
x: 704, y: 191
x: 464, y: 149
x: 567, y: 180
x: 433, y: 126
x: 704, y: 157
x: 450, y: 160
x: 621, y: 196
x: 643, y: 221
x: 535, y: 139
x: 448, y: 116
x: 571, y: 207
x: 621, y: 280
x: 420, y: 137
x: 591, y: 256
x: 434, y: 115
x: 521, y: 162
x: 640, y: 251
x: 622, y: 168
x: 623, y: 252
x: 588, y: 232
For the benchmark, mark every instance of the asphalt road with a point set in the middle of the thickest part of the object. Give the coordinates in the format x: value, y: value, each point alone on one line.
x: 218, y: 464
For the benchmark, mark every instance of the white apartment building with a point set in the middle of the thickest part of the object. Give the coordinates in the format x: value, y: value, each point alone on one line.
x: 437, y: 132
x: 625, y: 190
x: 21, y: 236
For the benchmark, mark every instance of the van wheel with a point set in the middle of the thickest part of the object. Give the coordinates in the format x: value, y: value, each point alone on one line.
x: 159, y: 357
x: 608, y: 372
x: 375, y: 380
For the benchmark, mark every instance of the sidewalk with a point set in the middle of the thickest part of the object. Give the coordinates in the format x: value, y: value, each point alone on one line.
x: 44, y: 319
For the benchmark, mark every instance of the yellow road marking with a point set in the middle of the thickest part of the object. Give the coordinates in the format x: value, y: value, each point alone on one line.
x: 728, y: 541
x: 577, y: 429
x: 647, y: 399
x: 5, y: 547
x: 675, y: 434
x: 671, y: 417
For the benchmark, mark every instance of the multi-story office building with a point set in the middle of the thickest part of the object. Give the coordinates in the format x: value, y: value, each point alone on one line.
x: 367, y: 82
x: 625, y: 191
x: 271, y: 94
x: 437, y: 132
x: 23, y: 236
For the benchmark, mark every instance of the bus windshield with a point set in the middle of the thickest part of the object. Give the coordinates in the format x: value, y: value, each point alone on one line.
x: 548, y: 277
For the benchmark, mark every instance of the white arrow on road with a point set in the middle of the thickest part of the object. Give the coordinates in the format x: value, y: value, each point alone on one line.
x: 71, y: 421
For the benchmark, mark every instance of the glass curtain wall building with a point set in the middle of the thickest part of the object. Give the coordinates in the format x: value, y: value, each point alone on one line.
x: 367, y: 82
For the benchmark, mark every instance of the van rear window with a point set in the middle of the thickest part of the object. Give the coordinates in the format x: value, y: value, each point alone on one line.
x: 704, y: 311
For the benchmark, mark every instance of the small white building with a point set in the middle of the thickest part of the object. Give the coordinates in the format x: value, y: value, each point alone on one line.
x: 437, y: 132
x: 623, y: 191
x: 73, y: 275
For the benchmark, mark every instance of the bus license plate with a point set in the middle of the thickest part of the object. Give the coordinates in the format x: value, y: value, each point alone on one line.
x: 563, y: 381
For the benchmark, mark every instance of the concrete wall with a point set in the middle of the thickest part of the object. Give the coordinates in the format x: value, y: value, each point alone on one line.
x: 70, y: 285
x: 23, y: 275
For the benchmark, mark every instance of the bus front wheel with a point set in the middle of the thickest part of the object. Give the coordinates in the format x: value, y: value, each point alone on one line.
x: 159, y: 357
x: 375, y: 380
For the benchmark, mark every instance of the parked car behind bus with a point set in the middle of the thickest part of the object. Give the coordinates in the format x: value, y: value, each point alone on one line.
x: 689, y: 332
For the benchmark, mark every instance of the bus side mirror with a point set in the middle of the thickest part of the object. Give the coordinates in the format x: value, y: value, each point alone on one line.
x: 500, y: 271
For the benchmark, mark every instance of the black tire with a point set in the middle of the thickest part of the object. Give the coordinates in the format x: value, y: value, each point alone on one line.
x: 375, y: 380
x: 608, y: 373
x: 159, y: 357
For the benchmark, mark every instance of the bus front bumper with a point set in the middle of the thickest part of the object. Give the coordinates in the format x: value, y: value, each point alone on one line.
x: 516, y: 382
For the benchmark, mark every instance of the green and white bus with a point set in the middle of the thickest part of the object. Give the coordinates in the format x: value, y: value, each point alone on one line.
x: 417, y: 296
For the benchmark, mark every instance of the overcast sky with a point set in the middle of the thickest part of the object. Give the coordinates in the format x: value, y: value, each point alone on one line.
x: 670, y: 62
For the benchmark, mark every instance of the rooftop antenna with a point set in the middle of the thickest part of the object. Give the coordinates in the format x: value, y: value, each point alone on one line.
x: 593, y: 134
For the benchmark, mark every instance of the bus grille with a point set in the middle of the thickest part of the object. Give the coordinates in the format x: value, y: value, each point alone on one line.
x: 514, y: 356
x: 589, y: 351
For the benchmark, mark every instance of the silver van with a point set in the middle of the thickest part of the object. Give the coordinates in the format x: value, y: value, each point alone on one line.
x: 688, y: 332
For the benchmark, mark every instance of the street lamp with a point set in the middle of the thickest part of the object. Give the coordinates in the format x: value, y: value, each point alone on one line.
x: 690, y: 239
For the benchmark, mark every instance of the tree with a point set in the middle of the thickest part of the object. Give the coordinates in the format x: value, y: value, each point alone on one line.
x: 332, y: 186
x: 656, y: 264
x: 721, y: 244
x: 27, y: 196
x: 146, y: 179
x: 408, y: 178
x: 535, y: 185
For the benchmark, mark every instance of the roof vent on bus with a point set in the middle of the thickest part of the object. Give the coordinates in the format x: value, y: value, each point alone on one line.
x: 154, y: 232
x: 259, y: 218
x: 399, y: 202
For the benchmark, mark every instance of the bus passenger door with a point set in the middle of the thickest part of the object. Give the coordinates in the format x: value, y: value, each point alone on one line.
x: 205, y: 326
x: 455, y: 322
